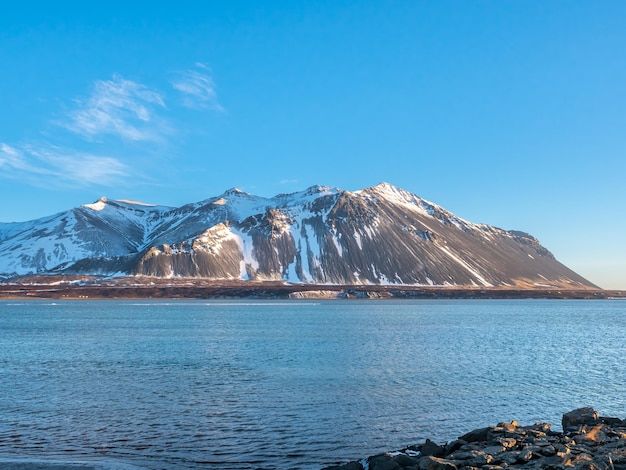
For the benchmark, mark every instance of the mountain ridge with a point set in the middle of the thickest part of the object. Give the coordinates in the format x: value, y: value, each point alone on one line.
x: 322, y: 235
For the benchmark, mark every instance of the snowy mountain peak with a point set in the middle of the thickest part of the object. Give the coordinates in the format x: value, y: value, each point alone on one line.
x: 136, y: 203
x: 309, y: 195
x: 391, y: 193
x: 384, y: 186
x: 123, y: 204
x: 317, y: 189
x: 98, y: 205
x: 235, y: 192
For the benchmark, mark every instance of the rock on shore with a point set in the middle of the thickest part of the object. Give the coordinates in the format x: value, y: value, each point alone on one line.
x: 588, y: 442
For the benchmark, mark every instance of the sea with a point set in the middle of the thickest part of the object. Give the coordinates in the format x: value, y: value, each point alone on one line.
x: 301, y: 384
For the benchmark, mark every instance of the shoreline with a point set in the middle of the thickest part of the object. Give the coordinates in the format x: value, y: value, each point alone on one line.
x: 79, y: 288
x: 588, y: 442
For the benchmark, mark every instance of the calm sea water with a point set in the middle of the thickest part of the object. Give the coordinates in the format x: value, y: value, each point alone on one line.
x: 298, y: 384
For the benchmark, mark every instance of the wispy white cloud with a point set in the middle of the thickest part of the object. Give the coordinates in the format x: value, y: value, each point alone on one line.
x: 11, y: 159
x: 123, y: 109
x: 118, y: 107
x: 197, y: 88
x: 55, y: 166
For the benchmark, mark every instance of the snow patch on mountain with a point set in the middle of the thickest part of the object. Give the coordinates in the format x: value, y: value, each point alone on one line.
x: 466, y: 265
x: 99, y: 205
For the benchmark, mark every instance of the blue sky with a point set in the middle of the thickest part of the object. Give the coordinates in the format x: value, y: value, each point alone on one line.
x: 509, y: 113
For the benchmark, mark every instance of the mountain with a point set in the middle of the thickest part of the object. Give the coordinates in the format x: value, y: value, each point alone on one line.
x: 377, y: 235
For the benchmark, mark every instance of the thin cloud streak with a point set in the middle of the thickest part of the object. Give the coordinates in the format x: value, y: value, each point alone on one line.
x: 11, y: 159
x: 197, y: 89
x: 65, y: 167
x: 118, y: 107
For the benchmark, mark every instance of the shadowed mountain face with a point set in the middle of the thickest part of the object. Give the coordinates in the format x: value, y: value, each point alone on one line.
x: 378, y: 235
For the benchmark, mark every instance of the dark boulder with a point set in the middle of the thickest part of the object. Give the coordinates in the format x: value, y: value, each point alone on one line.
x: 477, y: 435
x: 435, y: 463
x: 382, y: 462
x: 453, y: 446
x: 612, y: 421
x: 405, y: 460
x: 573, y: 420
x: 430, y: 448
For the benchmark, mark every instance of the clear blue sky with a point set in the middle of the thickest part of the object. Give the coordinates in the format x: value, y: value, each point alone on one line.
x: 511, y: 113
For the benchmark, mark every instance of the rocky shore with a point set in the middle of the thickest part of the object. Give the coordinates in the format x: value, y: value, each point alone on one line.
x: 588, y: 442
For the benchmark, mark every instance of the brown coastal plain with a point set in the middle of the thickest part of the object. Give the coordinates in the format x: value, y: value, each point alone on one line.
x: 71, y: 287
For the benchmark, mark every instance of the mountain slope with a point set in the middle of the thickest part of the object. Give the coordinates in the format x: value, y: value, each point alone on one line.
x: 378, y: 235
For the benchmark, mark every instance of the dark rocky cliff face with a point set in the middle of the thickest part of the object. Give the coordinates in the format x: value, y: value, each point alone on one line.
x: 379, y: 235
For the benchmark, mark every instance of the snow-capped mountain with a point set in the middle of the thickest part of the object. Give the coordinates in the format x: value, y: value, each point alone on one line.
x: 378, y: 235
